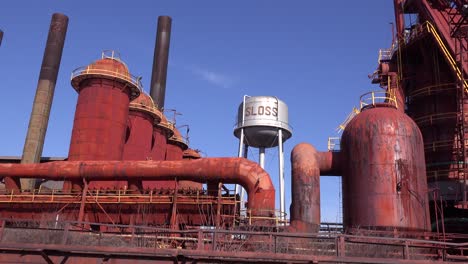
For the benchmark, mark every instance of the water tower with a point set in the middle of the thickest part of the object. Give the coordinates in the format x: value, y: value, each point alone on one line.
x: 262, y: 122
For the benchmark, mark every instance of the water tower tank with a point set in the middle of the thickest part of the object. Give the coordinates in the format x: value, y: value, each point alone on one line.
x: 261, y: 117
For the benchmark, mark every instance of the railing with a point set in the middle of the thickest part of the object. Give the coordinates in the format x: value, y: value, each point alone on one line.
x: 350, y: 116
x: 434, y: 118
x: 416, y: 32
x: 432, y: 89
x: 218, y: 244
x: 439, y: 144
x: 428, y: 27
x: 372, y: 99
x: 145, y: 108
x: 333, y: 143
x: 90, y: 70
x: 161, y: 196
x: 247, y: 217
x: 385, y: 55
x: 448, y: 56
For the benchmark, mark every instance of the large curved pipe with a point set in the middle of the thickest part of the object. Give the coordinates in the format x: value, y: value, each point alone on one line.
x: 307, y: 166
x: 260, y: 189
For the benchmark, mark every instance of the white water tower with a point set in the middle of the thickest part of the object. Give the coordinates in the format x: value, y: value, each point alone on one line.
x: 262, y: 122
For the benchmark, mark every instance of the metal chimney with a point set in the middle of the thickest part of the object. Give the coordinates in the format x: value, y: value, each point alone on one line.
x: 160, y: 60
x: 39, y: 119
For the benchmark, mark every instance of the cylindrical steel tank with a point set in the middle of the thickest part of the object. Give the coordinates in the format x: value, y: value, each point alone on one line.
x: 384, y: 174
x: 176, y: 146
x: 261, y: 117
x: 174, y: 151
x: 139, y: 135
x: 161, y: 132
x: 190, y: 154
x: 105, y: 89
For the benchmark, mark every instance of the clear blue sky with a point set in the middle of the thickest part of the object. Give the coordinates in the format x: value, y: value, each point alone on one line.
x: 314, y: 55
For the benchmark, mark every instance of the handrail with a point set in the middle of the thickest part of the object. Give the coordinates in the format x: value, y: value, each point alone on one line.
x: 433, y: 31
x: 434, y: 117
x: 377, y: 97
x: 120, y: 197
x: 333, y: 142
x: 89, y: 70
x: 145, y: 108
x: 439, y: 144
x: 350, y: 116
x: 447, y: 54
x: 435, y: 88
x: 278, y: 217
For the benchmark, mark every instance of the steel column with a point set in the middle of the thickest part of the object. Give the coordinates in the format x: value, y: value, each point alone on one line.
x: 281, y: 173
x: 261, y: 157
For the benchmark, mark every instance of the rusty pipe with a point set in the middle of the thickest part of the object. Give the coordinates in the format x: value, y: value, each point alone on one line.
x: 1, y: 37
x: 39, y: 119
x: 399, y: 18
x: 307, y: 166
x: 160, y: 61
x: 260, y: 189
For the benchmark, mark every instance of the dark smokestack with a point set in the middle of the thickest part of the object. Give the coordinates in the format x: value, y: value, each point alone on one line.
x: 1, y: 37
x: 39, y: 119
x: 160, y: 60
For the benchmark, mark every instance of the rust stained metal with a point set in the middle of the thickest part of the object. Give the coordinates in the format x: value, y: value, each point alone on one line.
x: 307, y: 166
x: 12, y: 252
x: 40, y: 113
x: 160, y: 60
x: 260, y: 189
x: 190, y: 154
x: 162, y: 131
x: 305, y: 189
x: 139, y: 138
x: 1, y: 37
x: 100, y: 123
x: 384, y: 177
x: 138, y: 143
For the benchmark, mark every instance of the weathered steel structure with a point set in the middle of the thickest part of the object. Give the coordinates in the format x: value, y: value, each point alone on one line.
x: 426, y: 69
x: 135, y: 192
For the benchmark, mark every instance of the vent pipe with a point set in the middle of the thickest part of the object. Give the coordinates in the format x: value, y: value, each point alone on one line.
x: 1, y: 37
x: 39, y: 119
x: 307, y: 165
x: 160, y: 60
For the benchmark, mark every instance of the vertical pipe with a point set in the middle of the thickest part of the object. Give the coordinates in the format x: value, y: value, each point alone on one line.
x: 39, y: 119
x: 262, y: 157
x: 241, y: 150
x: 1, y: 37
x: 241, y: 145
x: 399, y: 18
x: 305, y: 189
x: 242, y: 195
x: 281, y: 173
x: 160, y: 60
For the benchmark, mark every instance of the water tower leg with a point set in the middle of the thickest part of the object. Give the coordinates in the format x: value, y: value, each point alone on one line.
x: 262, y: 157
x: 238, y: 189
x: 240, y: 153
x: 281, y: 172
x: 242, y: 195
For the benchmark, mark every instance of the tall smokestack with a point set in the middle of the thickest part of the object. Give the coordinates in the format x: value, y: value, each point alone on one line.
x: 39, y: 119
x: 160, y: 60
